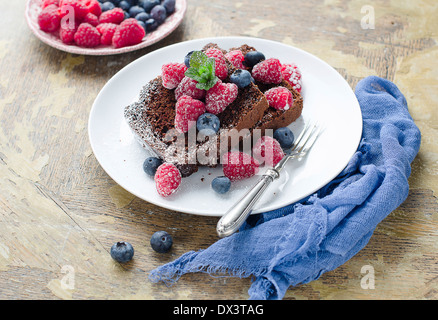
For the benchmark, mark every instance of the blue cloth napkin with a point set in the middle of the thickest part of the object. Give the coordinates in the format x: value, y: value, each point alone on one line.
x: 298, y: 243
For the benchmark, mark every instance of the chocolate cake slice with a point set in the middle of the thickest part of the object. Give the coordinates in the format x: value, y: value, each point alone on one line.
x: 152, y: 121
x: 273, y: 118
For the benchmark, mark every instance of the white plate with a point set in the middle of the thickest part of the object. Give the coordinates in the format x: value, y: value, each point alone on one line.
x: 327, y: 98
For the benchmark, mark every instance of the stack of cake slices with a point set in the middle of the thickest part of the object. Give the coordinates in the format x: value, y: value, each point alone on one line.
x: 152, y: 118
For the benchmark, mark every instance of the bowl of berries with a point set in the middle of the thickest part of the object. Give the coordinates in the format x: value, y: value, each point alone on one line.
x: 103, y: 27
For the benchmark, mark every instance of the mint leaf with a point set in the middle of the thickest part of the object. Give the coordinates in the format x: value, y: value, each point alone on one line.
x: 210, y: 66
x: 193, y: 73
x: 207, y: 85
x: 198, y: 59
x: 202, y: 70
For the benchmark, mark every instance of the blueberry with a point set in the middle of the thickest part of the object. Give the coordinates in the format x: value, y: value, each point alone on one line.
x: 107, y: 6
x: 241, y: 78
x: 142, y: 24
x: 142, y: 16
x: 161, y: 241
x: 127, y: 16
x: 252, y: 58
x: 221, y: 184
x: 208, y: 124
x: 169, y: 5
x: 122, y: 251
x: 135, y: 10
x: 114, y: 2
x: 151, y: 164
x: 151, y: 25
x: 149, y: 4
x: 285, y: 137
x: 187, y: 59
x: 125, y: 5
x: 159, y: 14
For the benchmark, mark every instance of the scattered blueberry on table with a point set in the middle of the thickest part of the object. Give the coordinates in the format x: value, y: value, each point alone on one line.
x: 161, y: 241
x: 122, y: 251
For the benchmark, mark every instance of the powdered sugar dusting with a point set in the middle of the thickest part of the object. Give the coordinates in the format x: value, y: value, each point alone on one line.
x: 279, y: 98
x: 292, y: 74
x: 187, y: 87
x: 167, y: 179
x: 268, y: 71
x: 220, y: 96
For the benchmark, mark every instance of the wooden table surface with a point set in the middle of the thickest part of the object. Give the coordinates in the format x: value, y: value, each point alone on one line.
x: 60, y: 212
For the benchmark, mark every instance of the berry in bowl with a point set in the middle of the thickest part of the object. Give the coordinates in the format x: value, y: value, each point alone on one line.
x: 98, y: 27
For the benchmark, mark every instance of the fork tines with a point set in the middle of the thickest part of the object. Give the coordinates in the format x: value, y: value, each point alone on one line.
x: 307, y: 137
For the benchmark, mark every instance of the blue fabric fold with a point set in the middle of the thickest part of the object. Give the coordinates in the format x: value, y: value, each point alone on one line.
x: 298, y: 243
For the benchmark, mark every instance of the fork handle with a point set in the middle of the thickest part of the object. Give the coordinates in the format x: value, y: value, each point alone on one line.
x: 236, y: 216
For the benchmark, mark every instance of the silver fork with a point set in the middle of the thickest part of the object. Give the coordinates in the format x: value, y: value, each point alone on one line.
x: 236, y: 216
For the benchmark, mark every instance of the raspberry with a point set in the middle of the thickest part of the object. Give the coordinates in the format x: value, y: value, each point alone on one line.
x: 115, y: 15
x: 268, y: 71
x: 93, y: 7
x: 67, y: 32
x: 172, y: 74
x: 80, y: 10
x: 221, y: 69
x: 268, y: 150
x: 236, y: 58
x: 49, y: 19
x: 128, y: 33
x: 238, y: 165
x: 87, y: 36
x: 220, y: 96
x: 187, y: 112
x: 279, y: 98
x: 167, y: 179
x: 47, y: 3
x: 187, y: 87
x: 91, y: 19
x: 107, y: 31
x: 292, y: 74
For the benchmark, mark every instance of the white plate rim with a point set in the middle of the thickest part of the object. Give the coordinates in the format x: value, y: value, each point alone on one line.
x: 171, y: 205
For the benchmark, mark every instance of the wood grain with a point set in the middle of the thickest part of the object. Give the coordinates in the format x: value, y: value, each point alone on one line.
x: 59, y: 211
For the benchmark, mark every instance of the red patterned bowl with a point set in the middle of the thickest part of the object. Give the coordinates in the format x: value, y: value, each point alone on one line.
x: 33, y: 8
